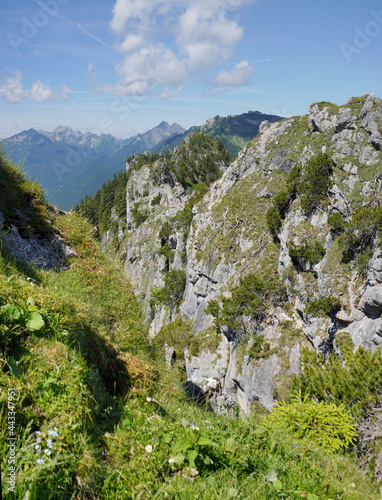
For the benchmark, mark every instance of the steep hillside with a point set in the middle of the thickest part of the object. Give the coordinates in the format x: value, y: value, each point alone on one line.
x: 282, y: 253
x: 89, y: 408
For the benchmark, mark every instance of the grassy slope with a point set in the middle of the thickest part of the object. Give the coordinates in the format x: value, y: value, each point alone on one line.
x: 86, y: 374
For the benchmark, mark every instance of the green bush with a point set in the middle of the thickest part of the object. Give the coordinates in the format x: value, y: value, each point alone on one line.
x: 165, y: 231
x: 258, y: 348
x: 336, y: 222
x: 139, y: 216
x: 273, y: 218
x: 311, y: 252
x: 250, y: 298
x: 357, y: 383
x: 283, y: 200
x: 174, y: 285
x: 156, y: 200
x: 324, y: 424
x: 315, y: 182
x: 365, y: 224
x: 323, y: 307
x: 167, y: 252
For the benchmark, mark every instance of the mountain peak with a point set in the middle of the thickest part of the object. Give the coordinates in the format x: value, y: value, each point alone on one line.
x: 61, y: 129
x: 163, y: 124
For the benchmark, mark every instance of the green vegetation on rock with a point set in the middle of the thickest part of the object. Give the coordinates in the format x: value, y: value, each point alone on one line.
x: 315, y: 182
x: 323, y: 307
x: 172, y: 292
x: 249, y: 299
x: 21, y: 195
x: 313, y: 253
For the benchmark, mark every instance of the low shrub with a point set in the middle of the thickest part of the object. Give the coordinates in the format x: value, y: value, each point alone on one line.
x: 249, y: 299
x: 324, y: 424
x: 357, y: 383
x: 172, y: 292
x: 315, y: 182
x: 323, y: 307
x: 310, y: 252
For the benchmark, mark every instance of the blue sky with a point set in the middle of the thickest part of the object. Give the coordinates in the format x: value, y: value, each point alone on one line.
x: 122, y: 66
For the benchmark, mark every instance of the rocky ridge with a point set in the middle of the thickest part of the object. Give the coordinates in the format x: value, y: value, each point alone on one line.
x: 229, y: 238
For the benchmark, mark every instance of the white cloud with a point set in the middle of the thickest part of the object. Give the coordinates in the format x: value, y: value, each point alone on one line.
x: 40, y: 92
x: 168, y: 41
x: 14, y: 92
x: 131, y: 43
x: 239, y: 75
x: 13, y: 89
x: 167, y: 93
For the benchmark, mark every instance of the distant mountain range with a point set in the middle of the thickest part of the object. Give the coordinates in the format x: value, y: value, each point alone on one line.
x: 71, y: 165
x: 233, y: 130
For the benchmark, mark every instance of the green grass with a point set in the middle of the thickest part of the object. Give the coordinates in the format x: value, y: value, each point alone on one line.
x: 20, y: 194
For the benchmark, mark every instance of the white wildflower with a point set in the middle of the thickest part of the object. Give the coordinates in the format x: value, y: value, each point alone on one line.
x: 149, y: 448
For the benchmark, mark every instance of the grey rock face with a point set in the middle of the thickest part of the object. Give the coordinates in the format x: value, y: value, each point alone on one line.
x: 365, y: 333
x: 372, y: 124
x: 371, y: 301
x: 42, y: 253
x: 320, y: 119
x: 218, y: 375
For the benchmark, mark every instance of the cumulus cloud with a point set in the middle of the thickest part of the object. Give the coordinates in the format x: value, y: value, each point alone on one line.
x: 165, y: 42
x: 239, y: 75
x: 14, y: 92
x: 13, y: 89
x: 40, y: 92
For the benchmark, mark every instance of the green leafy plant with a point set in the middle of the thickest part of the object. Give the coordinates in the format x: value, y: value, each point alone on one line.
x: 18, y: 320
x: 194, y: 449
x: 325, y: 424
